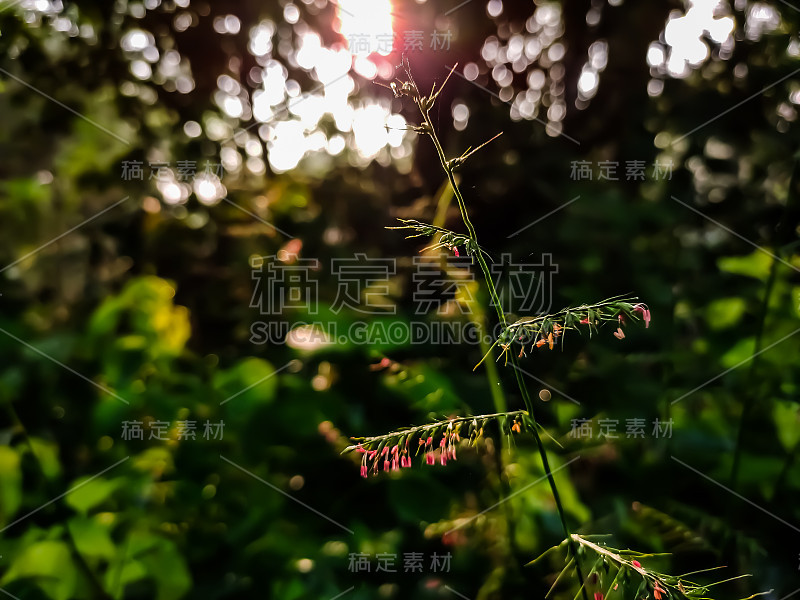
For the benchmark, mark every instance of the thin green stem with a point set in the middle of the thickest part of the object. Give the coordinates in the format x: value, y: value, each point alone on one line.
x: 782, y: 238
x: 501, y: 406
x: 429, y: 129
x: 749, y: 398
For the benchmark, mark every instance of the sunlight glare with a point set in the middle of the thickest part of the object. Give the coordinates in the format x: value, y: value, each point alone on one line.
x: 369, y: 129
x: 684, y: 34
x: 366, y: 25
x: 293, y: 120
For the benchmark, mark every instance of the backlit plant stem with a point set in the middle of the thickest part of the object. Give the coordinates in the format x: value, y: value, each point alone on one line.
x: 427, y: 127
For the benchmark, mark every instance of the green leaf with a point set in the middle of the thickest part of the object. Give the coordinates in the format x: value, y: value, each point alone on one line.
x: 787, y: 423
x: 150, y: 556
x: 167, y: 567
x: 91, y: 494
x: 49, y: 564
x: 47, y: 456
x: 10, y: 484
x: 756, y: 264
x: 741, y: 351
x: 725, y: 312
x: 155, y: 461
x: 92, y: 538
x: 143, y: 317
x: 247, y: 384
x: 118, y: 577
x: 796, y: 300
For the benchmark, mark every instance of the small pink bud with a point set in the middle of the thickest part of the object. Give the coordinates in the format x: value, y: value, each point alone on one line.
x: 364, y: 470
x: 455, y: 251
x: 642, y: 308
x: 658, y: 590
x: 636, y: 564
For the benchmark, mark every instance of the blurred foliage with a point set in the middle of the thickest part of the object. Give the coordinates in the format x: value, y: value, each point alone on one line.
x: 144, y: 313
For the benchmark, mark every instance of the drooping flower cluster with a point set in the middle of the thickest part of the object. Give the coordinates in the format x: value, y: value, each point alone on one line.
x: 447, y: 447
x: 548, y: 330
x: 622, y: 575
x: 399, y: 457
x: 437, y: 441
x: 638, y: 308
x: 392, y: 460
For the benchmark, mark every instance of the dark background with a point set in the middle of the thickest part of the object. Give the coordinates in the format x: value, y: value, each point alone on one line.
x: 152, y: 300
